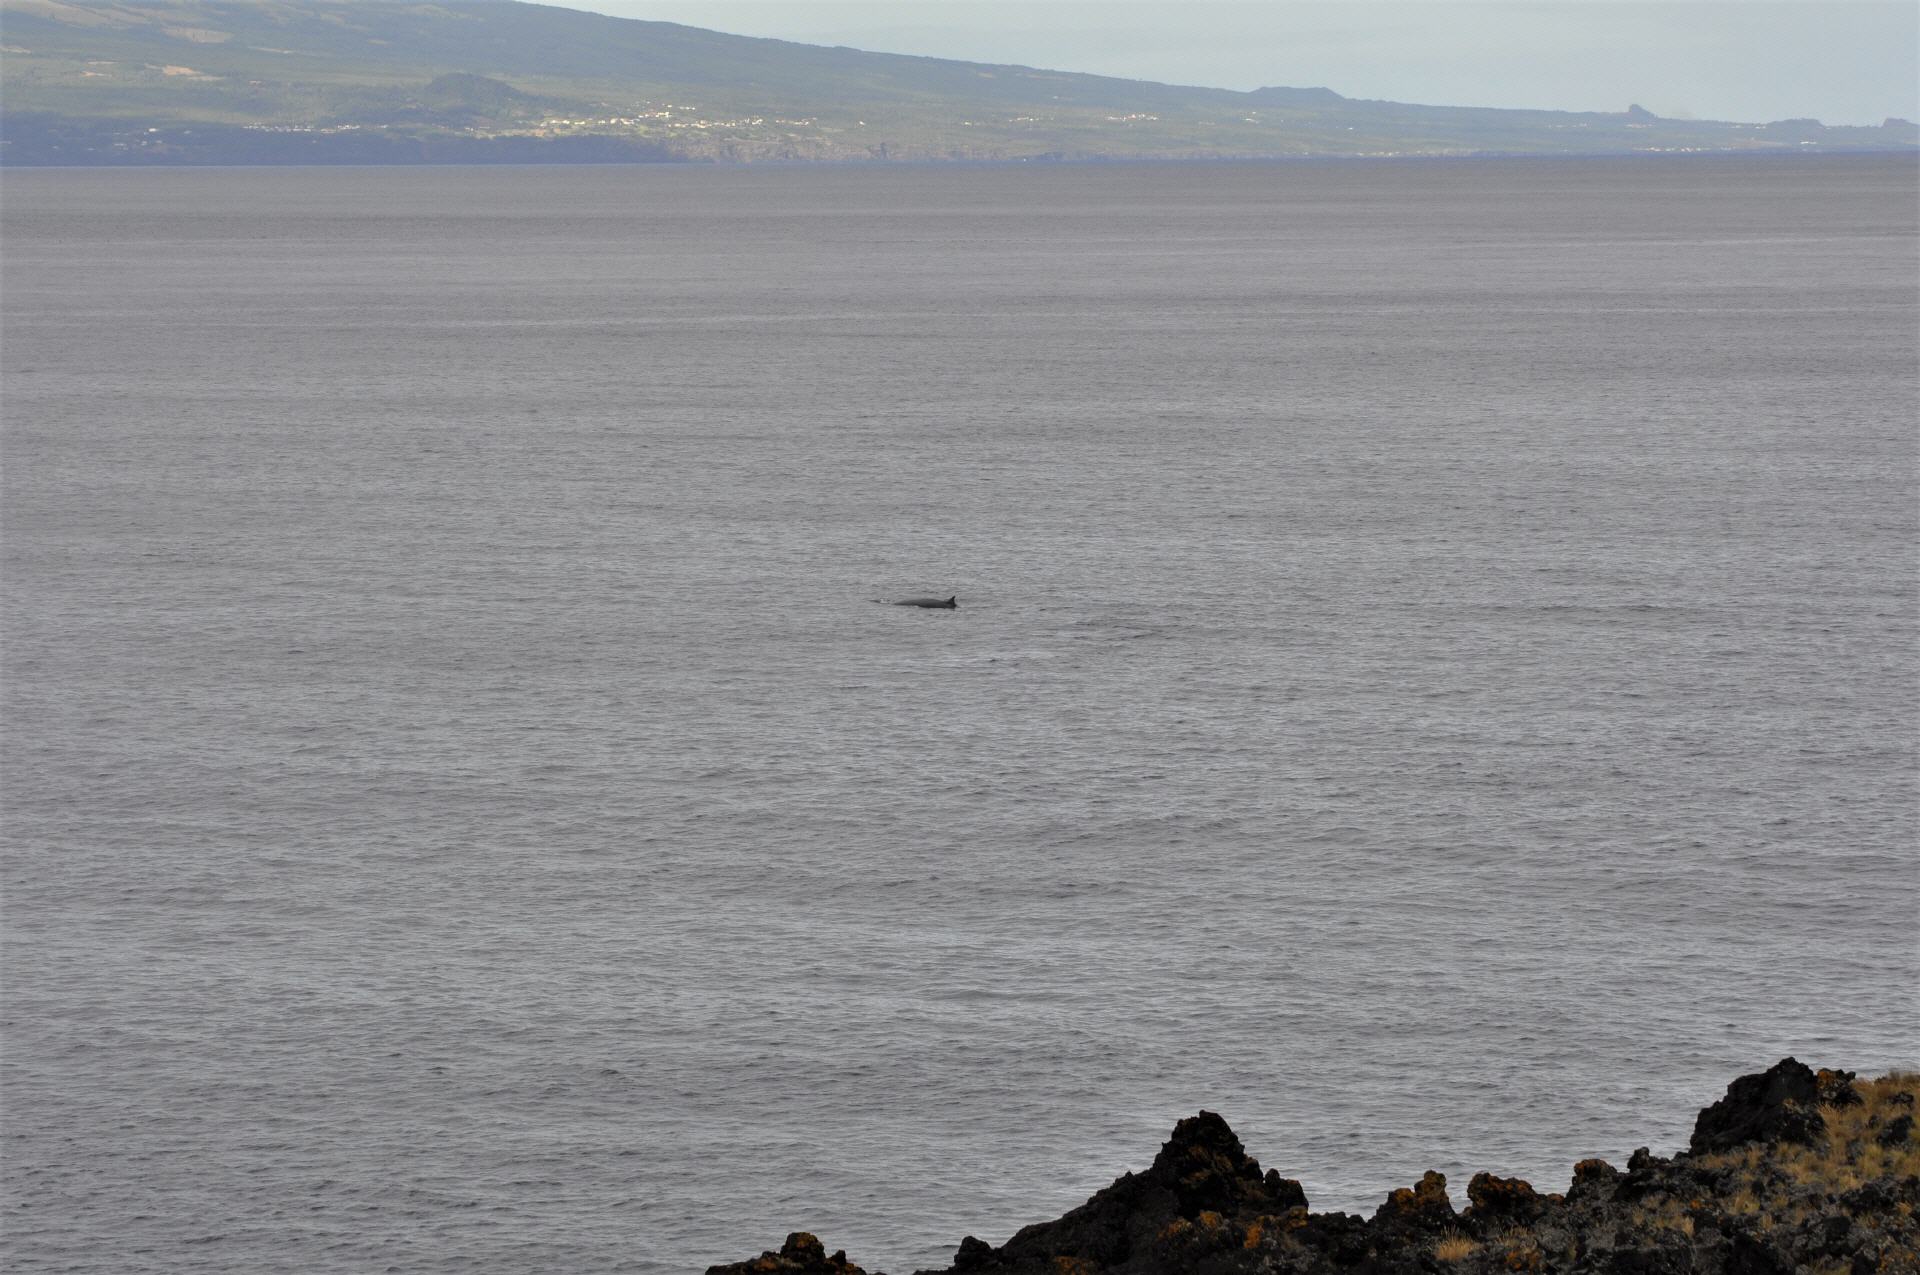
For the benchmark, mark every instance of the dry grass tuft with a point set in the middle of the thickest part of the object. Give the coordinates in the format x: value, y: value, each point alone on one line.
x: 1519, y: 1250
x: 1454, y: 1246
x: 1664, y: 1213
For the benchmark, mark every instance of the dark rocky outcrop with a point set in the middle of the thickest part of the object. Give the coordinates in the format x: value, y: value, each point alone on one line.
x: 1203, y: 1194
x: 1504, y: 1199
x: 1410, y: 1212
x: 1791, y: 1173
x: 802, y: 1254
x: 1780, y: 1104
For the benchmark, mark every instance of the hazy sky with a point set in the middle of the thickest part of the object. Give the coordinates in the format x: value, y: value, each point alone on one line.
x: 1840, y: 61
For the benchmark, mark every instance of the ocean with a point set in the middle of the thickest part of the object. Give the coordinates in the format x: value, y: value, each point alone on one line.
x: 1433, y: 680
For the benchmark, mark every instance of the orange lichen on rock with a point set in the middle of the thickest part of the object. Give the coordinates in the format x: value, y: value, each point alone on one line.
x: 1427, y: 1196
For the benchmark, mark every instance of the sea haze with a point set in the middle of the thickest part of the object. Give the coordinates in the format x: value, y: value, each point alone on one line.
x: 1433, y: 680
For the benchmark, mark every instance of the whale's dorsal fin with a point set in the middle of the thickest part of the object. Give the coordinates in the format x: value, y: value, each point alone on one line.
x: 954, y: 601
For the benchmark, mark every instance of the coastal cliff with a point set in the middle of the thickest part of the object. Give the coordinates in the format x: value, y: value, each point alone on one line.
x: 246, y: 82
x: 1793, y: 1172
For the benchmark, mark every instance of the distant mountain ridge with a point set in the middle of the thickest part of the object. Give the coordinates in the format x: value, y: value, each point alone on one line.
x: 303, y: 81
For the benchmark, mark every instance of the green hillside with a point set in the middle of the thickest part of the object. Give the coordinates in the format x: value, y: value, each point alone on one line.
x: 274, y: 81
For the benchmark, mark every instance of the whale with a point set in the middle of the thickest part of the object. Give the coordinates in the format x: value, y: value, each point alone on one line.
x: 949, y: 604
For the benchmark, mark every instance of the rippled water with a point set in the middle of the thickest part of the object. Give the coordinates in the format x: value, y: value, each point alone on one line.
x: 1434, y: 680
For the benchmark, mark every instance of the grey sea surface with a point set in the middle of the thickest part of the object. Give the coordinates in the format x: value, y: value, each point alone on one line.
x: 1434, y: 680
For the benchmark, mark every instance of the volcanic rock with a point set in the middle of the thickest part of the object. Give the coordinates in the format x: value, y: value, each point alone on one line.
x: 1778, y: 1105
x: 1204, y: 1195
x: 802, y: 1254
x: 1769, y: 1186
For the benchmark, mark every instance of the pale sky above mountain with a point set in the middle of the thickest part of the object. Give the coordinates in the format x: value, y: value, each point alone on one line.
x: 1840, y: 61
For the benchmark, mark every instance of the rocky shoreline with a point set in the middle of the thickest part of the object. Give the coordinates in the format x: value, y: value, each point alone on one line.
x: 1793, y: 1172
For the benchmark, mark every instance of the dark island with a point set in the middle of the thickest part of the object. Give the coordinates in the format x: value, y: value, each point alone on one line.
x: 1794, y: 1172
